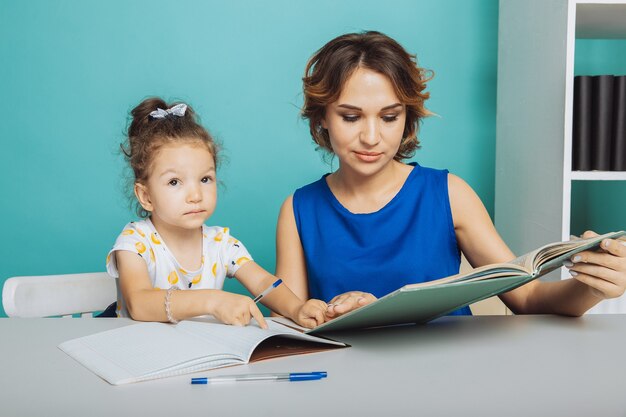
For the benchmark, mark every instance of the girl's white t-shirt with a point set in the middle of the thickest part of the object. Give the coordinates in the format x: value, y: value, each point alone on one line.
x: 222, y: 256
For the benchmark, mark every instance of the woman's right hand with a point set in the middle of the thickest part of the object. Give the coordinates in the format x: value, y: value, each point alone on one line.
x: 236, y: 309
x: 347, y: 302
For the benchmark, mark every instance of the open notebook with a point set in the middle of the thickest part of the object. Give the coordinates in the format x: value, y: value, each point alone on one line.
x: 145, y: 351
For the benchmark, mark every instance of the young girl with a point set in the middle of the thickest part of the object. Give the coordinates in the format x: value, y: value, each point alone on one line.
x: 394, y: 223
x: 174, y: 163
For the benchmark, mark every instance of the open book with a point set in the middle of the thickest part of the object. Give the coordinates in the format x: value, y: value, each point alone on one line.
x: 419, y: 303
x: 145, y: 351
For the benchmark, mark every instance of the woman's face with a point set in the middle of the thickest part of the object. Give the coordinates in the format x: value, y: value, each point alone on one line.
x: 366, y: 123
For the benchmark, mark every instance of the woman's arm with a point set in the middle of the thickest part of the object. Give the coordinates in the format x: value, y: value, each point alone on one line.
x: 600, y: 275
x: 290, y: 263
x: 146, y: 303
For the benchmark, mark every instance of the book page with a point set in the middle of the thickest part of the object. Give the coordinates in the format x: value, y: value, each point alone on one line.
x: 526, y: 261
x: 237, y: 340
x: 287, y: 322
x: 125, y: 354
x: 553, y: 251
x: 242, y: 341
x: 154, y: 350
x: 533, y: 260
x: 483, y: 272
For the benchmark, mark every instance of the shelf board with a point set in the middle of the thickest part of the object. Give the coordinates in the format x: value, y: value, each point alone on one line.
x: 598, y: 175
x: 601, y: 20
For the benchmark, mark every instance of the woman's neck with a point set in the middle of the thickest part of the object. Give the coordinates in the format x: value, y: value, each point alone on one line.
x: 368, y: 193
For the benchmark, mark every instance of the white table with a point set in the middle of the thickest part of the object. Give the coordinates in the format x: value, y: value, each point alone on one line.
x: 454, y: 366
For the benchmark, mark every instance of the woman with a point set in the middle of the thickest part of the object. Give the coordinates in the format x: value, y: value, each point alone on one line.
x: 376, y: 224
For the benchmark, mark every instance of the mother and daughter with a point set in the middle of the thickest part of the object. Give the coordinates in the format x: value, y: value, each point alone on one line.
x: 358, y: 233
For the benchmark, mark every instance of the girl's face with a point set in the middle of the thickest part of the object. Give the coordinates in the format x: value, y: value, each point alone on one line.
x: 181, y: 191
x: 366, y: 123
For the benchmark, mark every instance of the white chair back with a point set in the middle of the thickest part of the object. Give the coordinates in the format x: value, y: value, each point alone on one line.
x: 58, y: 295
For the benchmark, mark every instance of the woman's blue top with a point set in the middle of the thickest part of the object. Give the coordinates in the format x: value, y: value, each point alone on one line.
x: 409, y: 240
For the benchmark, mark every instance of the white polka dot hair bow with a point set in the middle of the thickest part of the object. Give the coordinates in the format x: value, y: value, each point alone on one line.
x: 177, y: 110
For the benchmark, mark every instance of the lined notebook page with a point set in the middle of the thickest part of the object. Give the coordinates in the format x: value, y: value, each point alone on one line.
x: 239, y: 341
x: 154, y: 350
x: 128, y: 353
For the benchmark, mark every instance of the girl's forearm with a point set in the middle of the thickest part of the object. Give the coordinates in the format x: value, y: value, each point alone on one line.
x: 149, y: 305
x: 283, y: 301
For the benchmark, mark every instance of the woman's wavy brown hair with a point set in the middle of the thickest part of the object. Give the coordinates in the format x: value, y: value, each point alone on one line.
x: 328, y: 70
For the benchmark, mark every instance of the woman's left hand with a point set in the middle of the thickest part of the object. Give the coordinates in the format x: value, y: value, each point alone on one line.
x: 346, y: 302
x: 603, y: 271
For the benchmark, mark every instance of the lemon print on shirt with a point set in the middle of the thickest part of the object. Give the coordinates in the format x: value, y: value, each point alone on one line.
x: 242, y: 260
x: 182, y: 271
x: 214, y: 269
x: 152, y: 255
x: 141, y: 248
x: 172, y: 278
x: 142, y: 234
x: 155, y: 239
x: 108, y: 259
x: 196, y: 279
x: 128, y: 232
x: 218, y: 237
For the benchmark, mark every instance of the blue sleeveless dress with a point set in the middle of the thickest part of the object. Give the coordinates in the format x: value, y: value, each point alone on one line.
x: 409, y: 240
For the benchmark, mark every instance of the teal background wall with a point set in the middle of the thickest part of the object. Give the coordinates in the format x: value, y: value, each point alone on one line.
x: 71, y: 70
x: 599, y: 205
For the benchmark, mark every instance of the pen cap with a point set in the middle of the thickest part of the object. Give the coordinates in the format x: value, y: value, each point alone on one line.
x: 306, y: 376
x: 199, y: 381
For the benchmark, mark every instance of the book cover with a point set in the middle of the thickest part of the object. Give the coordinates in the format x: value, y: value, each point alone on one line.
x: 581, y: 133
x: 602, y: 122
x: 618, y: 151
x: 420, y: 303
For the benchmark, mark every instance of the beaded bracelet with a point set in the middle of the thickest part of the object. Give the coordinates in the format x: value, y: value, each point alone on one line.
x: 168, y: 309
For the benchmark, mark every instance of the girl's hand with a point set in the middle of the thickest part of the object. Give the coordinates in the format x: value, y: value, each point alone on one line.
x: 311, y: 314
x: 348, y: 301
x: 236, y: 309
x: 603, y: 271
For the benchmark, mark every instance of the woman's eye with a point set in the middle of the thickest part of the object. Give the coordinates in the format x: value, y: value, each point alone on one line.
x: 173, y: 183
x: 390, y: 118
x: 206, y: 180
x: 350, y: 118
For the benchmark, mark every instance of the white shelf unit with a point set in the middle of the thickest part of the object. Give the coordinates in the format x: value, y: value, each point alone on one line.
x: 534, y: 114
x: 597, y: 176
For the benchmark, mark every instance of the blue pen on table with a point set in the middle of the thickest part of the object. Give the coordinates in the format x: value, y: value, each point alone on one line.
x: 287, y: 376
x: 268, y: 290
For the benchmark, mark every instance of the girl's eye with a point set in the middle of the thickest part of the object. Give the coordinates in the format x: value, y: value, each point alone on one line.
x: 390, y: 118
x: 350, y: 118
x: 173, y: 182
x: 206, y: 180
